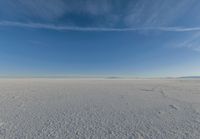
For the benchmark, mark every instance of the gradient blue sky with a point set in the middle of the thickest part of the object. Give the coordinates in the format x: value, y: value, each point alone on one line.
x: 143, y: 38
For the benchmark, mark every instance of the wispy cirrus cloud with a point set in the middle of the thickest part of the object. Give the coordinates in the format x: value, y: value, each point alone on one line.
x: 32, y: 9
x: 191, y: 42
x: 104, y: 13
x: 76, y: 28
x: 51, y: 9
x: 158, y: 12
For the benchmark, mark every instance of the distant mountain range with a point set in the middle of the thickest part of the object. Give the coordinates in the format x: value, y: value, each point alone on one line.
x: 196, y: 77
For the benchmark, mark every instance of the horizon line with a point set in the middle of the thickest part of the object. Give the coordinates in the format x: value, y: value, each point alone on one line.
x: 92, y: 76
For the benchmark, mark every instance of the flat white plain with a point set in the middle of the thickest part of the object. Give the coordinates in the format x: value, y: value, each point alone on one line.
x: 99, y: 108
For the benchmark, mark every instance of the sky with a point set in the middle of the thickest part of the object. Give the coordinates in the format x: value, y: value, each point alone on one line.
x: 134, y: 38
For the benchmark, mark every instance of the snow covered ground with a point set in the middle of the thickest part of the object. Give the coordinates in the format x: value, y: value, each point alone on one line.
x: 99, y: 108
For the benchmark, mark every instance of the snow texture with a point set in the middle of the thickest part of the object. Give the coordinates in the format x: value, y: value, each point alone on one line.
x: 99, y: 108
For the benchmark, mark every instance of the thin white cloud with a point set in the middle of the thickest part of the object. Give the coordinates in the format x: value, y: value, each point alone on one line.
x: 32, y: 9
x: 158, y: 12
x: 107, y: 13
x: 76, y: 28
x: 191, y: 42
x: 49, y: 10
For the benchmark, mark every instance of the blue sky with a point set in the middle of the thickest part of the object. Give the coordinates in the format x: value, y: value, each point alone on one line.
x: 154, y: 38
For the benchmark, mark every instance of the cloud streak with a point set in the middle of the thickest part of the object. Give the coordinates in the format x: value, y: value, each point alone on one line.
x: 158, y: 12
x: 97, y: 29
x: 191, y: 42
x: 49, y: 10
x: 121, y: 15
